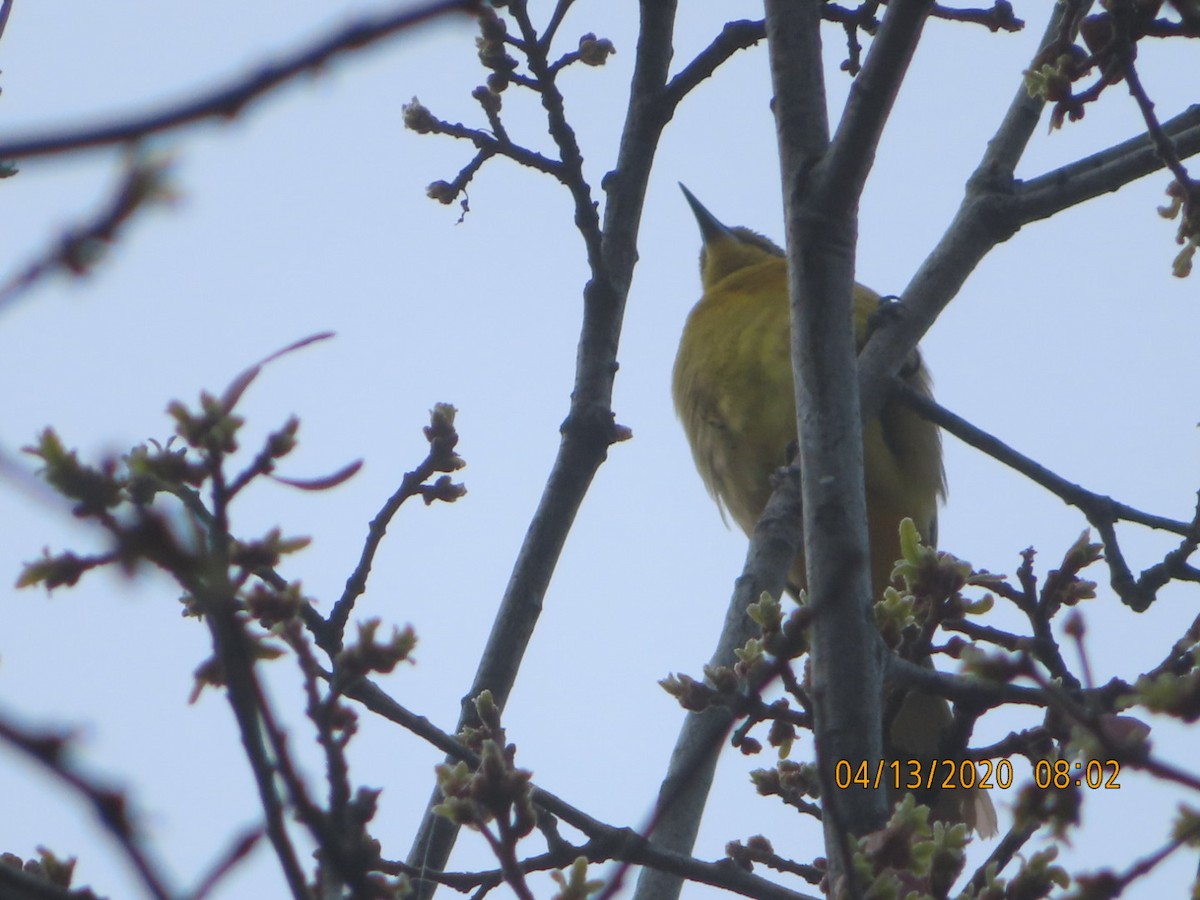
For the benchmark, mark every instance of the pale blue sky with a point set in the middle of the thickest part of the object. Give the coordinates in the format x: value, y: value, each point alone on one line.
x: 307, y: 213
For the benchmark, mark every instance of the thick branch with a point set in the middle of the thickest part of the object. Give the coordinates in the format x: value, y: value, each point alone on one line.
x: 685, y: 787
x: 821, y: 191
x: 872, y: 96
x: 589, y: 428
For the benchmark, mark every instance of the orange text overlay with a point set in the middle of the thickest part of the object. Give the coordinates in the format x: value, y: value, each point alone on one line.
x: 923, y: 774
x: 966, y: 775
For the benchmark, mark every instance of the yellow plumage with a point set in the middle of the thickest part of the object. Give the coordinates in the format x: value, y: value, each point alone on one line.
x: 733, y: 392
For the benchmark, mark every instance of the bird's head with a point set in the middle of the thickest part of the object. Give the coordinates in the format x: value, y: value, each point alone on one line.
x: 726, y: 249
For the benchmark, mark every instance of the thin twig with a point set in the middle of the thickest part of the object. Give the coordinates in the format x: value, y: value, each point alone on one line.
x: 441, y: 458
x: 228, y: 101
x: 1101, y: 511
x: 1138, y: 756
x: 619, y: 843
x: 1088, y: 501
x: 1146, y: 864
x: 77, y: 251
x: 499, y: 145
x: 734, y: 36
x: 111, y: 808
x: 1002, y: 854
x: 556, y: 18
x: 999, y: 18
x: 5, y: 10
x: 1166, y: 148
x: 239, y: 849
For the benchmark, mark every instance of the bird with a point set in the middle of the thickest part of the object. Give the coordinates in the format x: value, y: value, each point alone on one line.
x: 733, y: 392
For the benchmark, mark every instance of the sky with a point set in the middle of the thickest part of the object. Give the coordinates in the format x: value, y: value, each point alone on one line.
x: 307, y: 213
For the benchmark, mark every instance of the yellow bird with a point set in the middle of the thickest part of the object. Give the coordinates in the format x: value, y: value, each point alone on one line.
x: 733, y: 392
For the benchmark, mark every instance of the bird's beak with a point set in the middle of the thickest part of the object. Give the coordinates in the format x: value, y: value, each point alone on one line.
x: 710, y: 227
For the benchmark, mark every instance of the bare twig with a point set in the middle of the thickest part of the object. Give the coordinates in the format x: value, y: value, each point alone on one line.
x: 1002, y: 854
x: 5, y: 10
x: 228, y: 101
x: 556, y: 18
x: 1144, y: 866
x: 999, y: 18
x: 1101, y: 511
x: 441, y: 458
x: 143, y: 182
x: 489, y: 145
x: 239, y: 849
x: 606, y: 841
x: 51, y: 751
x: 1136, y: 755
x: 734, y: 36
x: 1068, y: 491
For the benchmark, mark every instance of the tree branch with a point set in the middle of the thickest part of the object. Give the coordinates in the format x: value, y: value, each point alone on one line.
x: 973, y: 692
x: 735, y: 36
x: 244, y: 694
x: 1106, y: 171
x: 228, y: 101
x: 589, y: 428
x: 985, y: 218
x: 999, y: 18
x: 5, y: 11
x: 616, y: 842
x: 872, y: 96
x: 1101, y: 511
x: 1089, y: 502
x: 441, y: 458
x: 1003, y: 853
x: 111, y: 808
x: 821, y: 187
x: 685, y: 787
x: 144, y: 182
